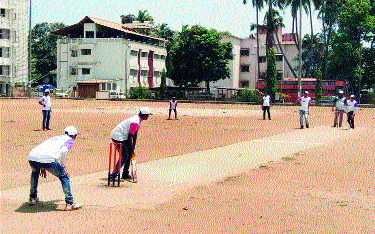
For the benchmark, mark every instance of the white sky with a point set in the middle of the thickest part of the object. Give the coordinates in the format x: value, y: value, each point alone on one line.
x: 223, y: 15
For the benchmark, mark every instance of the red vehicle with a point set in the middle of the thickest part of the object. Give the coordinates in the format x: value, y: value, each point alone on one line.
x: 288, y: 87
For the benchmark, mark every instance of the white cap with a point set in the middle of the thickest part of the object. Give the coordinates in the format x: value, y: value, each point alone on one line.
x: 352, y: 96
x: 307, y: 92
x: 145, y: 111
x: 341, y: 92
x: 46, y: 91
x: 71, y: 131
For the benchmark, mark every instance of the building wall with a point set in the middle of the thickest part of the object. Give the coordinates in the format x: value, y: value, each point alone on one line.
x: 14, y: 19
x: 113, y: 59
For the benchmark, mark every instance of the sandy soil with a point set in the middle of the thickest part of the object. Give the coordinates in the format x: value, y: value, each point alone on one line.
x: 325, y: 189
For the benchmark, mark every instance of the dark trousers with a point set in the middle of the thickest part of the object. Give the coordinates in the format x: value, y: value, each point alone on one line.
x: 125, y: 157
x: 46, y: 118
x: 175, y: 113
x: 351, y: 119
x: 266, y: 108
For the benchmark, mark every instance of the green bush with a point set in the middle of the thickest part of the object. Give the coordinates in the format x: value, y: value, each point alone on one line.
x: 244, y: 95
x: 139, y: 93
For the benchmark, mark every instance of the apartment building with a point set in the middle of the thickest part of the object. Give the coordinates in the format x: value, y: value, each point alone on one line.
x: 99, y: 56
x: 14, y: 30
x: 244, y: 68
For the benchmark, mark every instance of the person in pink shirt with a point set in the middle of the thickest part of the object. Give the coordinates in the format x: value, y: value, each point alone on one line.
x: 304, y: 103
x: 126, y: 134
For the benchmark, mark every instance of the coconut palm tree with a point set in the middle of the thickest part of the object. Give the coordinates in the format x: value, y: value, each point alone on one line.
x: 258, y: 4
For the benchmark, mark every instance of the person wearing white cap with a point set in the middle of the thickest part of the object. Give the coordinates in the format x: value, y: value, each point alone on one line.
x: 51, y: 156
x: 172, y: 106
x: 304, y: 102
x: 338, y: 102
x: 351, y: 107
x: 126, y: 133
x: 45, y: 101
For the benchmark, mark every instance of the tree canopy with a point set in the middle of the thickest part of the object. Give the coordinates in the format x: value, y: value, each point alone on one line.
x: 198, y: 55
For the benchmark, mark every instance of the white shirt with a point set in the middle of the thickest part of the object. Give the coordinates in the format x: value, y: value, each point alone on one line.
x: 351, y: 106
x: 52, y: 150
x: 130, y: 125
x: 305, y: 102
x: 340, y: 103
x: 267, y: 100
x: 173, y: 104
x: 46, y: 100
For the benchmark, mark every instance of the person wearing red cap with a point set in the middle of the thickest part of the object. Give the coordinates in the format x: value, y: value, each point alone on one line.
x: 51, y: 156
x: 126, y: 134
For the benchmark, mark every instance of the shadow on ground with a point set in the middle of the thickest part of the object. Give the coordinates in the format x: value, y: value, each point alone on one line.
x: 40, y: 207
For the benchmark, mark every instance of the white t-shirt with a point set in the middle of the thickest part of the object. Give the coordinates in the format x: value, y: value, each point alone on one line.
x: 305, y: 102
x: 267, y: 100
x: 351, y: 105
x: 172, y: 104
x: 130, y: 125
x: 340, y: 103
x: 46, y: 100
x: 51, y: 150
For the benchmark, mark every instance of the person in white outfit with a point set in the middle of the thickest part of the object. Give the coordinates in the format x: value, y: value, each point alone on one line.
x: 304, y: 102
x: 266, y: 104
x: 351, y: 106
x: 45, y: 101
x: 51, y: 156
x: 173, y: 106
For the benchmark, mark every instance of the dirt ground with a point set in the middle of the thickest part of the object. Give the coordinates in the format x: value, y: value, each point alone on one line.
x: 325, y: 189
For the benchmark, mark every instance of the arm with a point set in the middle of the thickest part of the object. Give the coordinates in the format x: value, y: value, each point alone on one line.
x: 132, y: 142
x: 299, y: 101
x: 355, y: 108
x: 41, y: 101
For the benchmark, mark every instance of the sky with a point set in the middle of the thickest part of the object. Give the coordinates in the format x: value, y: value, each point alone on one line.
x: 223, y: 15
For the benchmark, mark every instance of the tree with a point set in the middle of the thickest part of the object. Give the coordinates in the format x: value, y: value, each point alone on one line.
x: 163, y: 84
x: 318, y: 85
x: 312, y: 54
x: 127, y: 19
x: 271, y: 73
x: 354, y: 25
x: 43, y: 48
x: 165, y: 32
x: 144, y: 15
x: 196, y: 56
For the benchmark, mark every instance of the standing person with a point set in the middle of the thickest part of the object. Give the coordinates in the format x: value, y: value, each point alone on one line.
x: 338, y: 102
x: 173, y: 106
x: 304, y: 102
x: 45, y: 101
x: 126, y: 134
x: 266, y: 103
x: 351, y: 106
x: 51, y: 156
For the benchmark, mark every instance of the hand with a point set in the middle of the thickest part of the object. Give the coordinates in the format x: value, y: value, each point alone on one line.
x: 43, y: 173
x: 44, y: 105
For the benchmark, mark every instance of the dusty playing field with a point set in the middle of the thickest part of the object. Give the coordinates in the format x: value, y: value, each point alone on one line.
x: 325, y: 188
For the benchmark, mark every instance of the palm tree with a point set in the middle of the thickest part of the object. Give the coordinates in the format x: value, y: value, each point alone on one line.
x: 143, y: 16
x: 258, y: 4
x: 312, y: 54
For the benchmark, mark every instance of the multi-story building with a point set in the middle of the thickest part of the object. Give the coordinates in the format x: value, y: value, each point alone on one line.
x: 96, y: 55
x: 244, y: 68
x: 14, y: 30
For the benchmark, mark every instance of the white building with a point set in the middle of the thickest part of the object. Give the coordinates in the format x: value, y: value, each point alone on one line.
x: 97, y: 55
x: 244, y: 68
x: 14, y: 30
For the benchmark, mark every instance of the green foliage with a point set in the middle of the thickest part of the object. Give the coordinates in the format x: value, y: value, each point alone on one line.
x: 271, y: 73
x: 196, y: 56
x: 245, y: 95
x: 144, y: 15
x: 318, y: 85
x: 163, y: 84
x: 165, y: 32
x: 139, y: 93
x: 312, y: 54
x: 127, y: 19
x: 43, y: 48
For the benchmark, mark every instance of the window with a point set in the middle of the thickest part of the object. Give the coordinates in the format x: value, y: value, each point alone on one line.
x: 279, y: 58
x: 133, y: 72
x: 114, y: 86
x: 144, y: 54
x: 244, y: 52
x: 262, y: 59
x: 86, y: 71
x: 162, y: 57
x: 144, y: 73
x: 4, y: 70
x: 89, y: 34
x: 4, y: 33
x: 74, y: 53
x: 157, y: 73
x: 134, y: 53
x: 156, y: 56
x: 2, y: 12
x: 86, y: 51
x: 279, y: 76
x: 108, y: 86
x: 103, y: 86
x: 4, y: 52
x: 73, y: 71
x: 244, y: 84
x: 245, y: 68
